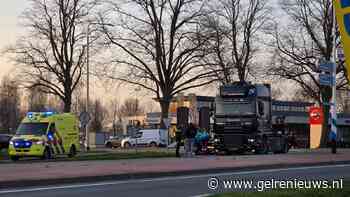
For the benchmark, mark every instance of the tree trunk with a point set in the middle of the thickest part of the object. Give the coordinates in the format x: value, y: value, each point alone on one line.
x: 67, y: 104
x: 164, y: 105
x: 241, y: 76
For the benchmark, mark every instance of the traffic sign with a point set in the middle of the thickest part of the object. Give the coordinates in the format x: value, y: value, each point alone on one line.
x: 326, y: 79
x: 315, y: 115
x: 326, y: 67
x: 84, y: 118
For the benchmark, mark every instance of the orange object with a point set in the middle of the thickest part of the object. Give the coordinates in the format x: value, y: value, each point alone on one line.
x: 315, y: 115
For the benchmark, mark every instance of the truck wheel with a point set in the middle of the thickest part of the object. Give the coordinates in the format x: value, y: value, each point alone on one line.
x: 72, y: 151
x: 14, y: 158
x: 47, y: 154
x: 228, y: 152
x: 240, y: 151
x: 263, y: 149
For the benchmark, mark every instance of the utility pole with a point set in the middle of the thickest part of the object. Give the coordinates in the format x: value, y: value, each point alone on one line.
x: 136, y: 109
x: 333, y: 134
x: 87, y: 137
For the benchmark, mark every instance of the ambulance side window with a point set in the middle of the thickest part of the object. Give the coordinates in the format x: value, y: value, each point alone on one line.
x: 52, y: 128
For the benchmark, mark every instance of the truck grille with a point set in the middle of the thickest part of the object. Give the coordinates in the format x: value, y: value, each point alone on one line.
x: 233, y: 141
x: 232, y: 125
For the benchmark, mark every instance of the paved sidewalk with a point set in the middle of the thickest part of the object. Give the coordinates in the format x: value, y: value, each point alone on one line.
x: 17, y: 172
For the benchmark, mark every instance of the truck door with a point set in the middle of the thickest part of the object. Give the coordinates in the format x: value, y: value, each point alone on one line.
x: 264, y: 114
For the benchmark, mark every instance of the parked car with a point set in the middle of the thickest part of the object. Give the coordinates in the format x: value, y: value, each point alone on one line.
x: 147, y: 137
x: 4, y: 141
x: 113, y: 142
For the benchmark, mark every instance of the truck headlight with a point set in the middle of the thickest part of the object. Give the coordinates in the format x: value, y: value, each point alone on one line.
x: 11, y: 142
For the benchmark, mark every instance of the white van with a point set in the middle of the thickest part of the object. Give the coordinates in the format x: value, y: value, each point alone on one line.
x: 147, y: 137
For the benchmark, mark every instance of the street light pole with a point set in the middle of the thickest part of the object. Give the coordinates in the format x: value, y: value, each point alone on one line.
x: 136, y: 106
x: 334, y: 87
x: 87, y: 137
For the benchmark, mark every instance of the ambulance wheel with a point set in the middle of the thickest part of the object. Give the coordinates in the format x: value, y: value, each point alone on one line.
x: 47, y: 153
x: 72, y: 151
x: 14, y: 158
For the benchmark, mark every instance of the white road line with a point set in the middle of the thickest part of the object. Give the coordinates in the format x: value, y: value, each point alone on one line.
x: 203, y: 195
x: 166, y: 179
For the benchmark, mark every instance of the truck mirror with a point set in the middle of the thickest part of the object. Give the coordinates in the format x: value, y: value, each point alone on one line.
x: 261, y: 108
x: 211, y: 114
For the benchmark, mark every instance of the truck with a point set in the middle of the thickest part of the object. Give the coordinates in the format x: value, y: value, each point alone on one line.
x: 45, y: 135
x: 243, y: 120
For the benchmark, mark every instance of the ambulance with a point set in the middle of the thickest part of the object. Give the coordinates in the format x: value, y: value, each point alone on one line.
x: 45, y: 135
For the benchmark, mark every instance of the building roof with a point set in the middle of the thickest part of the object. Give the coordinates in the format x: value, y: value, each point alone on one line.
x: 292, y: 103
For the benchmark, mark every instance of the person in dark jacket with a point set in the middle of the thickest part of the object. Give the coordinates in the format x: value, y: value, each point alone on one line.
x: 178, y: 138
x: 190, y: 134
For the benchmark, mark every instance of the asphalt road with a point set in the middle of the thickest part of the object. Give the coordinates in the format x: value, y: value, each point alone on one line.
x: 187, y: 186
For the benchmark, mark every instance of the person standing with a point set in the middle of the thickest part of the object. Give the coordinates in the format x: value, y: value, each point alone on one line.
x: 178, y: 138
x: 190, y: 135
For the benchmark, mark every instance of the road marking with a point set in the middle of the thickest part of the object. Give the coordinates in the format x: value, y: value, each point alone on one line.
x: 202, y: 195
x: 167, y: 179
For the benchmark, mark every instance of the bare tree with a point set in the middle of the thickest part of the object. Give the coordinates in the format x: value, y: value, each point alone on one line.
x: 99, y: 116
x: 116, y: 116
x: 235, y: 27
x: 52, y: 53
x: 79, y: 99
x: 37, y: 100
x: 300, y: 95
x: 159, y: 46
x: 307, y: 40
x: 276, y: 92
x: 151, y: 106
x: 131, y: 107
x: 343, y: 101
x: 9, y: 104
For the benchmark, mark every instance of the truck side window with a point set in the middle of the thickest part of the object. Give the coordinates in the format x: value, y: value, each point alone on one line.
x: 261, y: 108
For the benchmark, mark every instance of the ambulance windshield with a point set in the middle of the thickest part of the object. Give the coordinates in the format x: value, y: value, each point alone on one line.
x: 32, y: 129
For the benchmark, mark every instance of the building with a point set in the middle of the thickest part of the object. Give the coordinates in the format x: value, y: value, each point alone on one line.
x: 297, y: 120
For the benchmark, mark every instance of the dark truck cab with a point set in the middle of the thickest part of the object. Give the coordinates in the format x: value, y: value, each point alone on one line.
x: 243, y: 120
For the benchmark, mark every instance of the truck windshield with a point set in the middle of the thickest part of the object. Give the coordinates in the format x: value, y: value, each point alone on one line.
x: 234, y: 108
x: 32, y: 129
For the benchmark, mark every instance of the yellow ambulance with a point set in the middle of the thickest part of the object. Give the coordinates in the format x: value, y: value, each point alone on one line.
x: 45, y: 135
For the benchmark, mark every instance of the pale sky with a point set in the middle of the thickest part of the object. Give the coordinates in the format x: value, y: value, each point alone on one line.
x: 9, y: 28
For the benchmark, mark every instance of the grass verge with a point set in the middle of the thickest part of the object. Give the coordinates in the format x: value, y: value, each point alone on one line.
x: 121, y: 155
x: 98, y: 155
